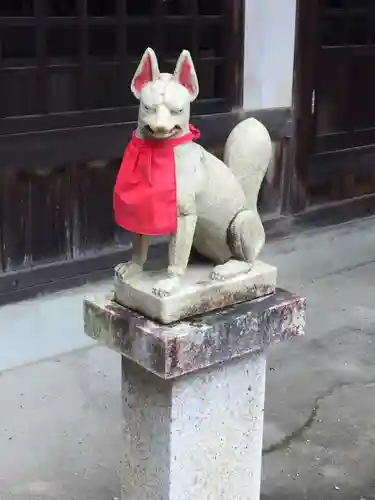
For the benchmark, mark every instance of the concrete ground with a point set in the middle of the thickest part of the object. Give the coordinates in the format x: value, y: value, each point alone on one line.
x: 60, y: 421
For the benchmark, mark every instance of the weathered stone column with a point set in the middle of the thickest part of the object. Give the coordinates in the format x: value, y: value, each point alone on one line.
x: 193, y: 395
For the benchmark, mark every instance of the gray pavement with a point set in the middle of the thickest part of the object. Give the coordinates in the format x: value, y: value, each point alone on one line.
x: 60, y: 423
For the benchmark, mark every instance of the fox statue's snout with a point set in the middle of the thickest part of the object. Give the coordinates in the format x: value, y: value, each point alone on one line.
x: 165, y: 99
x: 160, y: 122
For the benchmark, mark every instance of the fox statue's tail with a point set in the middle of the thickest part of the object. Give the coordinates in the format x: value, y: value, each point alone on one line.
x: 248, y: 153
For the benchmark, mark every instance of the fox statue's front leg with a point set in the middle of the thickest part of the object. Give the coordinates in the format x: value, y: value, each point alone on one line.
x: 179, y: 253
x: 139, y: 257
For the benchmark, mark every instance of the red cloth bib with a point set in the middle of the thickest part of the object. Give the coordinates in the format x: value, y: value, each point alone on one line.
x: 145, y: 198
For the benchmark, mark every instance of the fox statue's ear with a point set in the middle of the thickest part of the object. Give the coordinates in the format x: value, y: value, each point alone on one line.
x: 147, y: 71
x: 185, y: 74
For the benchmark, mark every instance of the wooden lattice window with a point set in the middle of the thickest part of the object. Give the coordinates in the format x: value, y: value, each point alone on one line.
x: 347, y: 23
x: 66, y: 63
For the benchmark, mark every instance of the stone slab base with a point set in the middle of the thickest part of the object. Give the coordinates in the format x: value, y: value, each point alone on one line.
x: 197, y: 294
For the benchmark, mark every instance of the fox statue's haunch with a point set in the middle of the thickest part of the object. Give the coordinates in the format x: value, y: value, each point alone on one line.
x: 215, y: 203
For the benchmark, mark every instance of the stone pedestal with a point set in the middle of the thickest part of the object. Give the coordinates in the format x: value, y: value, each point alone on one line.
x: 197, y: 436
x: 193, y: 395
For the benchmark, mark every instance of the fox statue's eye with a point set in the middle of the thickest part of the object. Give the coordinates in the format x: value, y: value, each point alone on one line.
x: 177, y: 111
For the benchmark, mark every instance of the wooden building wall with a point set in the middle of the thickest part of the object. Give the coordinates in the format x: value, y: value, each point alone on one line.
x: 66, y: 114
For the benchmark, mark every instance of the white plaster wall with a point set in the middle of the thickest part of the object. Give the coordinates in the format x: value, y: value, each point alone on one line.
x: 269, y: 53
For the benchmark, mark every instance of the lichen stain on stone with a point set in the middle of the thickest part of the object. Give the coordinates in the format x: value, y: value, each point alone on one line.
x: 92, y: 325
x: 227, y: 299
x: 173, y: 354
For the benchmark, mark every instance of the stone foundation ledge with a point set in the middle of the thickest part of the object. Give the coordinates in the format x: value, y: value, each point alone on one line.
x: 173, y: 350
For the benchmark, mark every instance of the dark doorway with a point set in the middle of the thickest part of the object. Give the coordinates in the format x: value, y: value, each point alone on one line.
x: 335, y: 101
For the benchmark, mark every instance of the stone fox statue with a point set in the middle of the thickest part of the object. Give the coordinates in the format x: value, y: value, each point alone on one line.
x: 188, y: 193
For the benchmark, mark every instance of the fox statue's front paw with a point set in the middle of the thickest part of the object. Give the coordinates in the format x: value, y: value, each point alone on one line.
x: 165, y: 287
x: 230, y: 269
x: 127, y: 270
